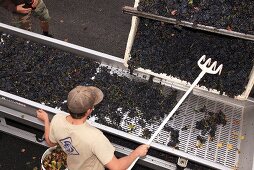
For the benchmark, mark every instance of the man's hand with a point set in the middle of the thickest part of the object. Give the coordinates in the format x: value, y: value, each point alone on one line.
x: 126, y: 161
x: 20, y: 9
x: 42, y: 115
x: 142, y: 150
x: 35, y: 3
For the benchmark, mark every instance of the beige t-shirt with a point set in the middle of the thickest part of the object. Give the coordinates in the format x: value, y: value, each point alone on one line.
x: 86, y: 146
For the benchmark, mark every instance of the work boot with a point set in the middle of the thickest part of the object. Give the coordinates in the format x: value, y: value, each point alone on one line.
x: 47, y: 34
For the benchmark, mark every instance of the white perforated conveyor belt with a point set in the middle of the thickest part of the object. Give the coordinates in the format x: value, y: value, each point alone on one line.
x: 228, y: 136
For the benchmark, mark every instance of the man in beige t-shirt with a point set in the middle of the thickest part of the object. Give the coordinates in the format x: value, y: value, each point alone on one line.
x: 87, y: 147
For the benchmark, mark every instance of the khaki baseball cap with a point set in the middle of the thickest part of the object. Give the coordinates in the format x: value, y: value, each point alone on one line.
x: 82, y: 98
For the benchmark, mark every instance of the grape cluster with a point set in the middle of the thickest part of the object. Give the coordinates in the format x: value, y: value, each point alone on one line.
x: 234, y: 15
x: 46, y: 75
x: 174, y: 136
x: 56, y: 160
x: 208, y: 125
x: 40, y: 73
x: 144, y: 101
x: 163, y: 48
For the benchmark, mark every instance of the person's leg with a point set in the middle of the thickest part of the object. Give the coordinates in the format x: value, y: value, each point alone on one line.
x: 22, y: 21
x: 45, y: 27
x: 42, y: 13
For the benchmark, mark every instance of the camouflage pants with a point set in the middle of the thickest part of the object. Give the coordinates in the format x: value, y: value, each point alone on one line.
x: 24, y: 20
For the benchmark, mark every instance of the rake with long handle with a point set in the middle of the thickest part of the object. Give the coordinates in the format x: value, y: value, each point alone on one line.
x: 206, y: 67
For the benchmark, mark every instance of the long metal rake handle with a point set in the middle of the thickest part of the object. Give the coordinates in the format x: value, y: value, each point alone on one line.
x: 211, y: 69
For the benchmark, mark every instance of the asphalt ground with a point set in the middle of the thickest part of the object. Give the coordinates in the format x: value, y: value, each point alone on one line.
x: 19, y: 154
x: 96, y: 24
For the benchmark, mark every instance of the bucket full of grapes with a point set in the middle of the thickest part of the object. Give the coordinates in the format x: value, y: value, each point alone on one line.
x: 54, y: 158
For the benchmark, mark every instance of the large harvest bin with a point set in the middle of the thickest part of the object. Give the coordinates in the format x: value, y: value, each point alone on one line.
x: 171, y: 54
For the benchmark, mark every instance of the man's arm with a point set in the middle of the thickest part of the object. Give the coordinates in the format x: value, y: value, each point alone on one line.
x: 124, y: 162
x: 42, y: 115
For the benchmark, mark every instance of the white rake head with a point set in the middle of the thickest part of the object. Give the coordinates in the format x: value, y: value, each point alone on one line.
x: 206, y: 65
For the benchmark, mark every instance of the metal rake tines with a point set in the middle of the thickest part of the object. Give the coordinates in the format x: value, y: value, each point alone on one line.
x: 206, y: 65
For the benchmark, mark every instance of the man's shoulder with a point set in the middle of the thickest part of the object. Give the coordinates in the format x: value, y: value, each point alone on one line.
x: 92, y: 128
x: 58, y: 116
x: 95, y: 132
